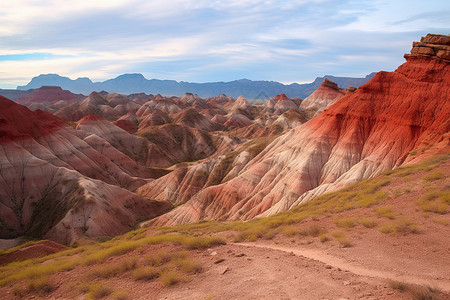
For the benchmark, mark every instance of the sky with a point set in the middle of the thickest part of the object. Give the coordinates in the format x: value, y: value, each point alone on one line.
x: 206, y: 41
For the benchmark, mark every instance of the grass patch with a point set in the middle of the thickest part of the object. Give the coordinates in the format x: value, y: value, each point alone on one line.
x: 417, y: 292
x: 113, y: 270
x: 345, y: 223
x: 99, y: 291
x: 403, y: 225
x: 368, y: 222
x: 40, y: 286
x: 291, y: 230
x: 119, y: 295
x: 187, y: 265
x: 323, y: 238
x: 386, y: 212
x: 342, y: 239
x: 440, y: 221
x: 434, y: 176
x: 171, y: 277
x: 435, y: 201
x: 94, y: 254
x: 146, y: 273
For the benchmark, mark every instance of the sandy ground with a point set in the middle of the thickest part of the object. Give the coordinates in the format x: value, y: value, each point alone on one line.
x: 264, y: 271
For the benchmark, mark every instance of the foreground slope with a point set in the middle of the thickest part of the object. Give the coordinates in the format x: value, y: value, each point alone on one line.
x: 384, y: 238
x: 369, y: 131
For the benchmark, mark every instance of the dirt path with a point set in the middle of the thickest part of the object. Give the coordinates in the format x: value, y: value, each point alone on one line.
x: 351, y: 267
x: 252, y: 271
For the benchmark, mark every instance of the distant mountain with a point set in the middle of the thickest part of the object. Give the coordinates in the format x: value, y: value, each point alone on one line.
x: 137, y: 83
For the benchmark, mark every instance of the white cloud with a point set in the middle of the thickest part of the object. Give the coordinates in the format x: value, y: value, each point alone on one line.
x: 101, y: 39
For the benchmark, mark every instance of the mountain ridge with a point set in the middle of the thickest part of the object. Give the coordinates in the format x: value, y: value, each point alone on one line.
x: 137, y: 83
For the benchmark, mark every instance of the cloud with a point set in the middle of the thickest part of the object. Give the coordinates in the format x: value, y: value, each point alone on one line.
x: 209, y: 40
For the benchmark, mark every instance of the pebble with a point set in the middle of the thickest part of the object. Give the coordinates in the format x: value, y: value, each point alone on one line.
x: 224, y: 269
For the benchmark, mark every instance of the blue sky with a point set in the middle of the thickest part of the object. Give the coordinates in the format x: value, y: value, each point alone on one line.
x: 204, y: 41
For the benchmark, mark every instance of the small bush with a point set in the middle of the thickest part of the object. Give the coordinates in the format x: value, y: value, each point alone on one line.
x: 387, y: 228
x: 186, y: 265
x: 342, y: 239
x: 345, y: 223
x: 435, y: 202
x: 323, y: 238
x: 417, y: 292
x: 202, y: 242
x: 120, y: 295
x: 291, y: 231
x: 170, y: 278
x: 405, y: 226
x: 386, y: 211
x: 368, y: 222
x: 146, y: 273
x: 440, y: 221
x: 113, y: 270
x: 402, y: 225
x: 158, y: 259
x: 40, y: 285
x: 434, y: 176
x: 98, y: 291
x: 311, y: 230
x: 436, y: 207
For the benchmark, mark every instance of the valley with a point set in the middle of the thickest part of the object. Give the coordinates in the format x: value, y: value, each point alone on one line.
x: 343, y: 194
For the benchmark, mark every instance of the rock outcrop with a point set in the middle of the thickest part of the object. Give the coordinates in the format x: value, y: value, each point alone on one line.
x: 432, y: 45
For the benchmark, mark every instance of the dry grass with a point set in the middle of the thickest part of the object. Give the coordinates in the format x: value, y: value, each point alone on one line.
x: 40, y: 286
x: 113, y: 270
x: 345, y: 223
x: 435, y: 201
x: 342, y: 239
x: 95, y: 254
x: 386, y: 212
x: 323, y: 238
x: 368, y: 222
x: 99, y: 291
x: 403, y: 226
x: 171, y: 277
x: 417, y: 292
x: 146, y: 273
x: 187, y: 265
x: 119, y: 295
x: 434, y: 176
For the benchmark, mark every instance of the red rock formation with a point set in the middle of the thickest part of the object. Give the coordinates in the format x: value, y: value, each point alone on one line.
x: 281, y: 97
x: 47, y: 94
x: 327, y: 94
x: 190, y: 117
x: 48, y: 179
x: 364, y: 133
